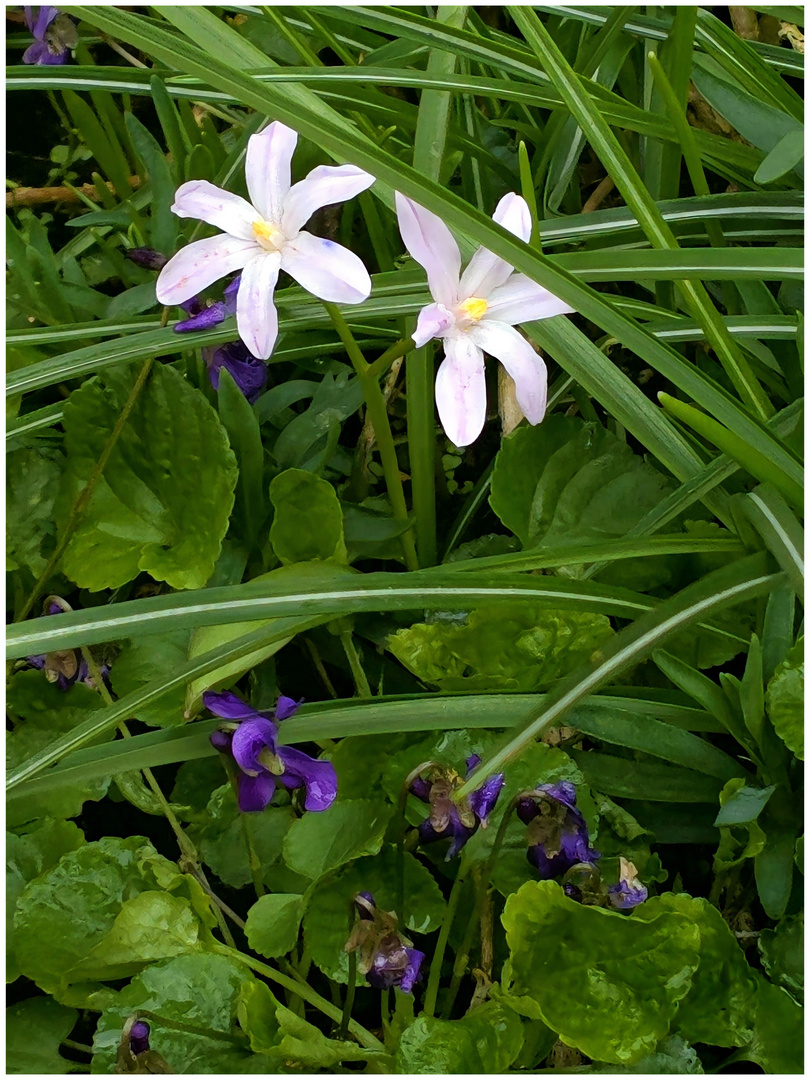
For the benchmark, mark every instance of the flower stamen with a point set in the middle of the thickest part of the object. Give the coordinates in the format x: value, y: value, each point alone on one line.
x: 269, y: 235
x: 474, y: 308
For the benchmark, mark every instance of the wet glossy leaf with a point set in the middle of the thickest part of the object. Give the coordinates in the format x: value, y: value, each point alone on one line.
x: 166, y: 495
x: 273, y: 923
x: 99, y: 913
x: 720, y: 1005
x: 308, y: 521
x: 302, y: 1043
x: 610, y: 985
x: 672, y: 1055
x: 509, y: 648
x: 34, y: 1031
x: 27, y: 857
x: 200, y: 991
x: 317, y: 843
x: 256, y: 1010
x: 486, y: 1040
x: 782, y: 952
x: 785, y: 700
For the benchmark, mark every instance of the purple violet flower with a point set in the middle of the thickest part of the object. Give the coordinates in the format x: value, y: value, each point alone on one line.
x: 557, y: 836
x: 385, y: 956
x: 54, y: 35
x: 205, y: 315
x: 66, y: 666
x: 447, y: 819
x: 147, y: 258
x: 252, y: 743
x: 139, y: 1037
x: 248, y: 372
x: 628, y: 891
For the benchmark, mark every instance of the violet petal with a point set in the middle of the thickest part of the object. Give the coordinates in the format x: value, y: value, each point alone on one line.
x: 250, y: 738
x: 227, y: 705
x: 254, y: 793
x: 318, y: 777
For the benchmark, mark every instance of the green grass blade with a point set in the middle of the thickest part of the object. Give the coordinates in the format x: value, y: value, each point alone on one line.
x: 309, y: 588
x: 466, y: 220
x: 106, y: 719
x: 782, y: 533
x: 619, y: 166
x: 724, y: 588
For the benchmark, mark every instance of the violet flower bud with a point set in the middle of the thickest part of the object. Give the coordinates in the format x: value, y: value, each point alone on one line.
x: 146, y: 258
x: 385, y: 956
x: 628, y: 892
x: 557, y: 835
x: 448, y: 819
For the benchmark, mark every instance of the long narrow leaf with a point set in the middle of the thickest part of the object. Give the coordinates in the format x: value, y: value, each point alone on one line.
x: 723, y: 588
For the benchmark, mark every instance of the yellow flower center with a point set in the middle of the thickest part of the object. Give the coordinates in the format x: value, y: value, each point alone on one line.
x: 272, y: 762
x: 269, y: 235
x: 474, y: 308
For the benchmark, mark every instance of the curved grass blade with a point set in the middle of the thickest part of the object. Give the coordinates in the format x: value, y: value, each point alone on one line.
x: 616, y: 161
x: 724, y: 588
x: 313, y: 589
x: 104, y: 720
x: 630, y: 722
x: 342, y: 144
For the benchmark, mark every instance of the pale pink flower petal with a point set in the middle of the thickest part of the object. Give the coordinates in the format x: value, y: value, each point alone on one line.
x: 325, y: 185
x: 486, y: 271
x: 256, y: 315
x: 522, y: 300
x: 267, y: 168
x: 326, y: 269
x: 199, y: 265
x: 431, y: 243
x: 502, y: 341
x: 432, y: 322
x: 461, y: 390
x: 201, y: 200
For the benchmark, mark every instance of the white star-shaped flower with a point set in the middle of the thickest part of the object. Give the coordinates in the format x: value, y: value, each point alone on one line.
x: 475, y: 313
x: 263, y: 238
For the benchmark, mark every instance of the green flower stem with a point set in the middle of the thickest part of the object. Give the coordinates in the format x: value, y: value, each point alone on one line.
x: 463, y: 955
x: 351, y: 986
x: 383, y: 363
x: 378, y: 414
x: 188, y: 852
x: 402, y: 829
x: 441, y: 944
x: 178, y: 1025
x: 81, y: 1047
x: 358, y: 674
x: 419, y: 380
x: 483, y: 877
x: 253, y: 858
x: 307, y: 994
x: 315, y: 656
x: 85, y: 495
